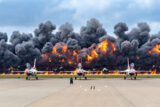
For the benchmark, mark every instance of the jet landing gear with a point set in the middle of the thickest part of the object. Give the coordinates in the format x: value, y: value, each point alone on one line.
x: 85, y: 78
x: 80, y: 78
x: 36, y: 78
x: 131, y: 78
x: 29, y: 77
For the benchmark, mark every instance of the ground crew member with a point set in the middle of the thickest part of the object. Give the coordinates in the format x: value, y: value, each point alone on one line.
x: 71, y: 80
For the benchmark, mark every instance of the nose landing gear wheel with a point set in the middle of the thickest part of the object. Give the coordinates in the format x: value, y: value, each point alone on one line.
x: 75, y: 78
x: 134, y: 78
x: 85, y: 78
x: 124, y: 78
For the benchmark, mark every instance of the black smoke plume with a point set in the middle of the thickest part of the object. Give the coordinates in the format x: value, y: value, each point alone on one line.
x: 48, y: 46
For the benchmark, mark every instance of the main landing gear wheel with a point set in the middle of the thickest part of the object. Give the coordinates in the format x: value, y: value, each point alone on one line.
x: 85, y: 78
x: 124, y: 78
x: 134, y: 78
x: 27, y: 78
x: 75, y: 78
x: 36, y: 78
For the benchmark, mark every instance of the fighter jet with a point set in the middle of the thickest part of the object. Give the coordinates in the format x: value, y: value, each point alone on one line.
x: 31, y: 71
x: 80, y: 72
x: 130, y: 71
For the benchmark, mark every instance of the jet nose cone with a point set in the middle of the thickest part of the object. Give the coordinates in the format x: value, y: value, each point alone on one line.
x: 132, y: 71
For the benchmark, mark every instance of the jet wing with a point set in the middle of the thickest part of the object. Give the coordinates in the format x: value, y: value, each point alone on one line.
x: 142, y: 71
x: 82, y: 70
x: 34, y: 71
x: 19, y: 71
x: 123, y: 71
x: 43, y: 71
x: 68, y: 71
x: 135, y: 71
x: 91, y: 71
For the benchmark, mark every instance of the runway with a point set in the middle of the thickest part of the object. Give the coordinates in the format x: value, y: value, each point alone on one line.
x: 59, y: 93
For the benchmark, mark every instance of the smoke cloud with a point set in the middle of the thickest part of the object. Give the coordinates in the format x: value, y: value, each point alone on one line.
x: 64, y: 48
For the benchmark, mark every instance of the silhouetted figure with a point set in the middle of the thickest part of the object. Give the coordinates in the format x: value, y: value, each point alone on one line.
x: 92, y: 87
x: 71, y: 80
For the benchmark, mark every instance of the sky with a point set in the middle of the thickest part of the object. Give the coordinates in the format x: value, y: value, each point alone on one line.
x: 26, y: 15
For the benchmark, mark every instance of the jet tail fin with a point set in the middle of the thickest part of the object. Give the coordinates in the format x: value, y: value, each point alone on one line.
x: 128, y: 63
x: 34, y: 66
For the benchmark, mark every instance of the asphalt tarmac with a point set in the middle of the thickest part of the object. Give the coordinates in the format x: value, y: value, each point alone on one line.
x: 59, y: 93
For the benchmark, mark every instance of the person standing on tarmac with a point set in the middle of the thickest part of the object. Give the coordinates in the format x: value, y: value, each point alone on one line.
x: 71, y: 80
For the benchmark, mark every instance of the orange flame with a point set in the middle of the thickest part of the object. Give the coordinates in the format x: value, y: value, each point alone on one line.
x: 153, y: 72
x: 62, y: 45
x: 155, y: 49
x: 103, y: 46
x: 115, y: 72
x: 46, y: 73
x: 72, y: 57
